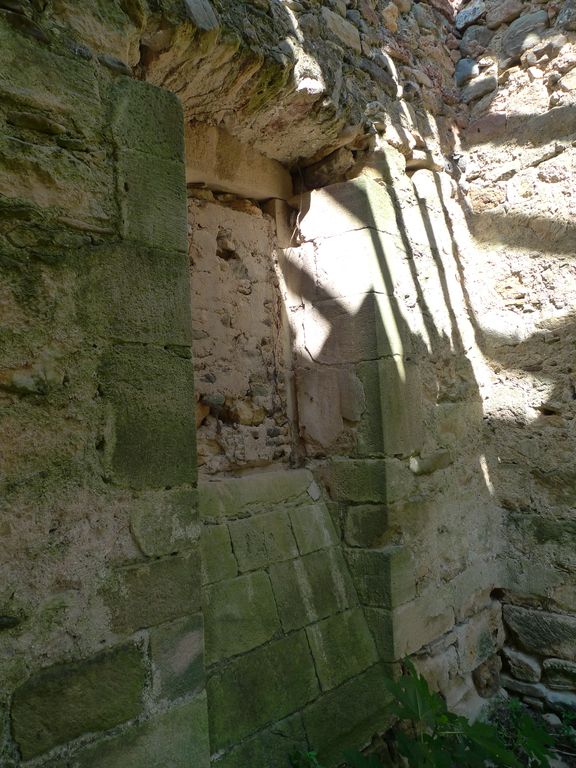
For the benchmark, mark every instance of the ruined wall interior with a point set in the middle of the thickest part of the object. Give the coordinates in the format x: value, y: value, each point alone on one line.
x: 287, y: 386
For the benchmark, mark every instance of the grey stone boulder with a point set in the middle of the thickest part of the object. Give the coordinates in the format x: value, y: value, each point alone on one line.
x: 522, y: 34
x: 475, y: 36
x: 480, y: 86
x: 470, y: 15
x: 466, y: 69
x: 566, y: 19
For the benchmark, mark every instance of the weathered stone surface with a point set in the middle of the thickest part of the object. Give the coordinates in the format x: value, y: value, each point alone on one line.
x: 262, y: 687
x: 347, y: 717
x: 269, y: 748
x: 219, y: 161
x: 431, y: 462
x: 480, y: 86
x: 365, y: 525
x: 235, y: 498
x: 178, y: 738
x: 566, y: 19
x: 466, y: 69
x: 165, y: 523
x: 470, y: 15
x: 522, y: 666
x: 522, y: 34
x: 559, y: 673
x: 342, y: 647
x: 486, y: 677
x: 547, y: 634
x: 150, y: 392
x: 61, y: 703
x: 503, y: 12
x: 480, y: 637
x: 177, y: 652
x: 313, y: 528
x: 218, y: 561
x: 342, y: 29
x: 474, y: 38
x: 311, y: 588
x: 384, y: 481
x: 263, y: 539
x: 141, y: 596
x: 240, y: 614
x: 383, y: 577
x: 202, y: 14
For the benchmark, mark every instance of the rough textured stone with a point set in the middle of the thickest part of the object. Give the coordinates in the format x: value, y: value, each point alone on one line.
x: 383, y: 577
x: 141, y: 596
x: 366, y: 525
x: 479, y: 87
x: 313, y: 528
x: 240, y: 615
x: 269, y: 748
x: 341, y: 29
x: 61, y: 703
x: 349, y: 716
x: 177, y: 652
x: 263, y: 539
x: 367, y: 481
x: 218, y: 561
x: 480, y: 637
x: 342, y: 647
x: 559, y: 673
x: 311, y: 588
x: 166, y: 523
x: 264, y: 686
x: 470, y: 15
x: 547, y: 634
x: 522, y: 666
x: 523, y: 34
x: 503, y: 12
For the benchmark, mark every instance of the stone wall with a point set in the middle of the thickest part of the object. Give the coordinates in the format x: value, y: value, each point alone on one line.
x: 383, y: 426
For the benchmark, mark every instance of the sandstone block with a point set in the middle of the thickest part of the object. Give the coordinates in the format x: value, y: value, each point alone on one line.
x: 522, y: 666
x: 313, y: 528
x: 177, y: 652
x: 342, y: 29
x: 503, y: 12
x: 479, y: 638
x: 365, y: 525
x: 218, y: 561
x: 140, y: 596
x: 368, y: 480
x: 259, y: 688
x: 383, y: 577
x: 547, y: 634
x: 269, y: 748
x: 263, y: 539
x: 342, y: 647
x: 150, y: 391
x: 61, y: 703
x: 224, y: 499
x: 347, y: 717
x: 311, y: 588
x: 166, y: 522
x: 240, y: 614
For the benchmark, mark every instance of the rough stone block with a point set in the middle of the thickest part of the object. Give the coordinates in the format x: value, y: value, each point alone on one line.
x: 522, y: 666
x: 313, y: 527
x: 342, y: 647
x: 151, y: 391
x: 384, y: 578
x: 347, y: 717
x: 263, y: 539
x: 368, y: 480
x: 225, y: 499
x: 218, y: 561
x: 140, y: 596
x: 135, y: 294
x: 147, y: 119
x: 269, y: 748
x: 166, y: 522
x: 559, y: 673
x: 405, y: 630
x: 312, y: 587
x: 547, y: 634
x: 152, y: 193
x: 240, y: 614
x: 221, y: 162
x: 393, y: 423
x: 178, y: 738
x: 347, y: 206
x: 365, y: 525
x: 61, y: 703
x: 177, y: 651
x: 342, y: 29
x: 480, y: 637
x: 259, y: 688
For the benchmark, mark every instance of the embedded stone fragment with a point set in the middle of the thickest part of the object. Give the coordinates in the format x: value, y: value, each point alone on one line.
x: 522, y: 34
x: 313, y: 528
x: 177, y: 652
x: 383, y: 577
x: 470, y: 15
x: 503, y: 12
x: 478, y: 87
x: 346, y: 32
x: 522, y: 666
x: 547, y: 634
x: 263, y: 539
x: 559, y: 674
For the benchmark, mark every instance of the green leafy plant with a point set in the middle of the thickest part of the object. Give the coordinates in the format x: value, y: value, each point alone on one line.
x: 530, y: 740
x: 304, y: 760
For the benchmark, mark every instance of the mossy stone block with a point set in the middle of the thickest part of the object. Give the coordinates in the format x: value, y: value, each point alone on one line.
x: 177, y: 652
x: 269, y: 748
x: 240, y: 615
x: 367, y: 480
x: 147, y: 119
x: 177, y: 738
x: 218, y: 561
x: 312, y: 587
x: 166, y: 522
x: 263, y: 539
x: 152, y: 193
x: 133, y: 293
x: 146, y: 595
x: 260, y: 688
x: 232, y: 498
x: 313, y: 527
x: 151, y: 392
x: 365, y: 525
x: 342, y: 647
x: 383, y: 577
x: 347, y: 717
x: 61, y: 703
